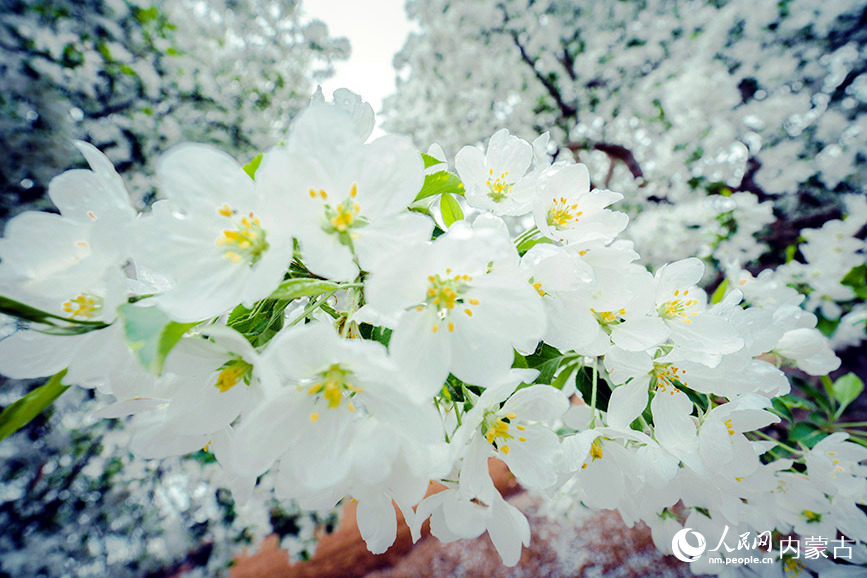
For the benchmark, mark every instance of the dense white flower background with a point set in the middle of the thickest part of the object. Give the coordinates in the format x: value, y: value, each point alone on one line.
x: 630, y: 265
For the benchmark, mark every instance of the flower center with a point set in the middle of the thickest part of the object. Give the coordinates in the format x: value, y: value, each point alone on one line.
x: 669, y: 377
x: 608, y: 317
x: 345, y: 216
x: 246, y: 242
x: 562, y: 216
x: 232, y: 372
x: 498, y: 189
x: 332, y: 384
x: 678, y: 308
x: 595, y: 452
x: 85, y: 306
x: 537, y: 285
x: 444, y: 293
x: 496, y: 430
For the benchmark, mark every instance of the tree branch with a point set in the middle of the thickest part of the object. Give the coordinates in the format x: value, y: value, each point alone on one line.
x: 615, y: 153
x: 566, y: 109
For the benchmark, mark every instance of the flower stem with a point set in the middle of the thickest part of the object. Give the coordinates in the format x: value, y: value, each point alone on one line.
x: 312, y: 306
x: 593, y: 391
x: 778, y: 442
x: 526, y: 235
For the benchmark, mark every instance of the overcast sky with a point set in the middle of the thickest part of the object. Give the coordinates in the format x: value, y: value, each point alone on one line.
x: 376, y: 29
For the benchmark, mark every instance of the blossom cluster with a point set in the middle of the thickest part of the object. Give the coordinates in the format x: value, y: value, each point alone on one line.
x: 332, y: 313
x: 714, y: 119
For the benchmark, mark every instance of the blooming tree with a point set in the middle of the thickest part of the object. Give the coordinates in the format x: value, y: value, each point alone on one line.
x: 749, y: 117
x: 133, y: 77
x: 331, y: 315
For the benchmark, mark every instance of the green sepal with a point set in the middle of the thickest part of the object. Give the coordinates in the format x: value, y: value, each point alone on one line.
x: 150, y: 334
x: 21, y: 412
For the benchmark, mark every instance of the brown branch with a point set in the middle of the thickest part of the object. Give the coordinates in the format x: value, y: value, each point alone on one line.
x: 615, y: 153
x: 748, y: 182
x: 566, y: 109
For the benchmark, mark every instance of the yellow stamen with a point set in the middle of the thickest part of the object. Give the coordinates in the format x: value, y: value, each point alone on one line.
x: 85, y: 306
x: 232, y: 373
x: 596, y: 449
x: 563, y: 216
x: 247, y: 242
x: 498, y: 189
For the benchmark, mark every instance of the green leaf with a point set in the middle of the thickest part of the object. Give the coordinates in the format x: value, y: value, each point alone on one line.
x: 813, y: 393
x: 720, y: 292
x: 857, y: 276
x: 826, y: 327
x: 450, y: 209
x: 439, y: 183
x: 520, y: 361
x: 795, y: 402
x: 782, y: 410
x: 564, y: 376
x: 294, y: 288
x: 430, y: 161
x: 847, y: 389
x: 528, y: 244
x: 453, y: 386
x: 238, y: 314
x: 547, y: 370
x: 806, y: 433
x: 20, y: 412
x: 28, y: 313
x: 542, y: 354
x: 251, y: 167
x: 151, y: 334
x: 584, y: 384
x: 381, y: 334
